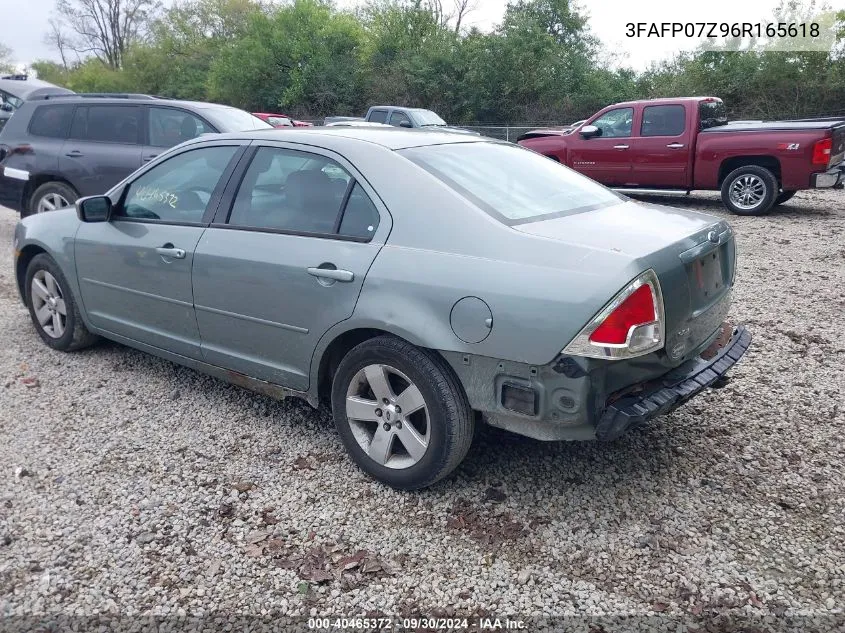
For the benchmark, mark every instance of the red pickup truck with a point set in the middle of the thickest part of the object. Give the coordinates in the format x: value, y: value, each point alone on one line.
x: 677, y: 145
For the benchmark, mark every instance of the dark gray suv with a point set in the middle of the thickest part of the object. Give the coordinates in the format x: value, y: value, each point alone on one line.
x: 57, y: 149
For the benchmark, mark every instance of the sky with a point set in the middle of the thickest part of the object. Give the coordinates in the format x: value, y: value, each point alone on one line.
x: 23, y: 30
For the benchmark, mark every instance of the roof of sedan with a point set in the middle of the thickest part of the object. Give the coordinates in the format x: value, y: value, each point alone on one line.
x: 388, y: 136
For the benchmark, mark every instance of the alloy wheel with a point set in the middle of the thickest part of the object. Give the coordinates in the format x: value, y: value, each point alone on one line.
x: 51, y: 202
x: 49, y: 304
x: 747, y: 191
x: 388, y: 416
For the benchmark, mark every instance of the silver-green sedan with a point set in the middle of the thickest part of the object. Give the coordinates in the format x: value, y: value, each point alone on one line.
x: 420, y: 282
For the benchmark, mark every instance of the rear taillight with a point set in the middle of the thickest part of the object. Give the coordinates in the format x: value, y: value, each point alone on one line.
x: 821, y: 151
x: 631, y: 325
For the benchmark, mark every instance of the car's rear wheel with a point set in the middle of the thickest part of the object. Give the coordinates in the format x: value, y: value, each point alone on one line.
x: 53, y: 308
x: 51, y: 196
x: 749, y: 190
x: 783, y: 196
x: 401, y: 412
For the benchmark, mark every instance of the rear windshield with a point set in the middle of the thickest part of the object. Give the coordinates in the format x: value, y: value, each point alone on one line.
x: 712, y: 114
x: 233, y: 120
x: 512, y: 184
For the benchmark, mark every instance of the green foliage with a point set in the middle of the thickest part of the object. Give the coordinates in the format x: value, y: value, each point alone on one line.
x: 541, y: 64
x: 5, y: 59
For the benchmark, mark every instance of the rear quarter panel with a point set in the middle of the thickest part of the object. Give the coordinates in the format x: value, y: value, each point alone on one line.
x: 793, y: 149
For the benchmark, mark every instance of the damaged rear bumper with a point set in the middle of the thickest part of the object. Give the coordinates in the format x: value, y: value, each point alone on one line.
x: 670, y: 391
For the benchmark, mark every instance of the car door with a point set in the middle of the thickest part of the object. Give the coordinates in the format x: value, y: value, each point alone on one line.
x: 661, y: 154
x: 285, y: 261
x: 168, y: 126
x: 134, y: 271
x: 605, y: 157
x: 102, y: 148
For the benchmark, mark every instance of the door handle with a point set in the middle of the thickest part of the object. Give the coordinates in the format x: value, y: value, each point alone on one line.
x: 74, y: 154
x: 168, y: 250
x: 675, y: 145
x: 620, y: 147
x: 331, y: 273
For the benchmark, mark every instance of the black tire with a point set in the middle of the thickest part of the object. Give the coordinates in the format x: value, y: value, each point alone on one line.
x: 761, y: 175
x: 55, y: 189
x: 450, y: 421
x: 75, y: 335
x: 783, y: 196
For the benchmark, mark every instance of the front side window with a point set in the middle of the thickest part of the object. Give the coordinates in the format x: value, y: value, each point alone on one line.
x: 512, y: 184
x: 615, y: 123
x: 397, y: 118
x: 663, y: 120
x: 51, y: 121
x: 106, y: 124
x: 378, y: 116
x: 289, y: 190
x: 171, y: 126
x: 179, y: 189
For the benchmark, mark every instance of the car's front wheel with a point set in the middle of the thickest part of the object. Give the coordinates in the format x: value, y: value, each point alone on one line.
x: 401, y: 412
x: 53, y: 308
x: 749, y: 190
x: 51, y: 196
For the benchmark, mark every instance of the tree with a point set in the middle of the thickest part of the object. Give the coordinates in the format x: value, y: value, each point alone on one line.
x: 105, y: 28
x: 6, y: 65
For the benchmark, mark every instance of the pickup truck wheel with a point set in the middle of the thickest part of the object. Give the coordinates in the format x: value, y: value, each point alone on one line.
x: 749, y: 190
x: 53, y: 308
x: 783, y: 196
x: 401, y: 412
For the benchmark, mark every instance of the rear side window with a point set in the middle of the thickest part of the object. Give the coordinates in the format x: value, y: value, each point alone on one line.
x: 663, y: 120
x: 51, y: 121
x: 378, y: 116
x: 300, y: 192
x: 712, y: 113
x: 106, y: 124
x: 171, y: 126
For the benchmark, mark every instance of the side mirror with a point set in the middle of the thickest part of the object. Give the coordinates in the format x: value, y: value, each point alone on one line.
x: 7, y: 107
x: 589, y: 131
x: 406, y: 124
x: 94, y: 209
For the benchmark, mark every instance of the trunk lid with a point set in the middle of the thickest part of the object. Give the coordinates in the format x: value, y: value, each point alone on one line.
x: 692, y: 253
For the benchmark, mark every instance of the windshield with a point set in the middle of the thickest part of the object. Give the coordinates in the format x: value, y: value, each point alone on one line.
x: 233, y: 120
x: 427, y: 117
x: 512, y: 184
x: 11, y: 99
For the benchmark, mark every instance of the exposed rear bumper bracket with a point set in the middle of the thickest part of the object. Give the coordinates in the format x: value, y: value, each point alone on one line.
x: 667, y: 394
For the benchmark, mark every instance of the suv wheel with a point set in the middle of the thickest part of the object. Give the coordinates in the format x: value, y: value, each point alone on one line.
x: 750, y: 190
x: 51, y: 196
x: 401, y: 413
x: 53, y: 308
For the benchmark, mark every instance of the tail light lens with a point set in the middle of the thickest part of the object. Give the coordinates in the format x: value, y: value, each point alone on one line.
x: 631, y: 325
x: 821, y: 151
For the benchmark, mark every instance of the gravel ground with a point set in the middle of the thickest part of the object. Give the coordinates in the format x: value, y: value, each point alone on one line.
x: 133, y: 486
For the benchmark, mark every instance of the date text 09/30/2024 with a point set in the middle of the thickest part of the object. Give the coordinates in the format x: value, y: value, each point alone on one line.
x: 416, y: 624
